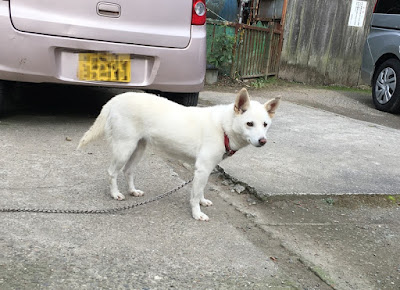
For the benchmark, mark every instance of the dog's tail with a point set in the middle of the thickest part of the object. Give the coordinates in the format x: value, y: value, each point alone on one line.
x: 97, y: 129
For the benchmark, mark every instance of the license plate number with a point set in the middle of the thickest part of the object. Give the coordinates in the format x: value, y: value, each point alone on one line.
x: 104, y: 67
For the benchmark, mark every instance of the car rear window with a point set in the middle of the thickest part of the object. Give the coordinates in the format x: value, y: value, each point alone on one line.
x: 387, y: 7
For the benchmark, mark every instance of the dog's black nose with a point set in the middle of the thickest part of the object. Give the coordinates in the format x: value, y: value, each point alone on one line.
x: 262, y: 141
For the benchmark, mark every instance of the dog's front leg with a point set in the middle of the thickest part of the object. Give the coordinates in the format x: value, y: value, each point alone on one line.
x: 201, y: 175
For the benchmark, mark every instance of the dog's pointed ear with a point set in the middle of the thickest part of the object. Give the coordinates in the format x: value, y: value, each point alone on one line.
x: 272, y: 105
x: 242, y: 102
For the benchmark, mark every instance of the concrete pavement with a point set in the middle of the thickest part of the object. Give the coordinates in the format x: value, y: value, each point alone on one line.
x: 330, y: 182
x: 151, y: 247
x: 313, y: 151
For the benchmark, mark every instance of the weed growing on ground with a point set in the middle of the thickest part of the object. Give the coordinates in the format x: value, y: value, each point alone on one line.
x: 264, y: 82
x: 330, y: 201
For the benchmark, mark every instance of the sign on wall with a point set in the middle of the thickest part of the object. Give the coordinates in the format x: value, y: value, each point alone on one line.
x: 357, y: 13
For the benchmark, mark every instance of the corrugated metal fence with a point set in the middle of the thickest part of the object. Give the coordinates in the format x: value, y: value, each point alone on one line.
x: 255, y: 51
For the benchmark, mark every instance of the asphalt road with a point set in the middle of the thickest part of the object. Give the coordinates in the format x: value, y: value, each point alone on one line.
x: 284, y: 242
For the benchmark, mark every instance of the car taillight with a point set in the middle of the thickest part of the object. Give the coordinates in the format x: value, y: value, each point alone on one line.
x: 199, y: 12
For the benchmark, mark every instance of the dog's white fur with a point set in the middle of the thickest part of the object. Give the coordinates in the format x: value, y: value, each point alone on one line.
x: 132, y: 120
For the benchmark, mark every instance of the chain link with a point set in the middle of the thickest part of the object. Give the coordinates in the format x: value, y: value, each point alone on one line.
x: 96, y: 211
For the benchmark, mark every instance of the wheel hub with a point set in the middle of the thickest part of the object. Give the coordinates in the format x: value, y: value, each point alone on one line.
x: 385, y: 85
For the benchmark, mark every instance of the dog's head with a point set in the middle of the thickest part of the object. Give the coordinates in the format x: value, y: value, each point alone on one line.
x: 253, y: 119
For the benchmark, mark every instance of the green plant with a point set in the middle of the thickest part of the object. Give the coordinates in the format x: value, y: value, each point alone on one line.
x: 263, y: 82
x: 330, y: 201
x: 345, y: 89
x: 393, y: 199
x: 221, y: 52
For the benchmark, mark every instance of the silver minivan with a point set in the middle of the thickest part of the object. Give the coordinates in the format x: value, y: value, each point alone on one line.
x: 152, y: 45
x: 381, y: 57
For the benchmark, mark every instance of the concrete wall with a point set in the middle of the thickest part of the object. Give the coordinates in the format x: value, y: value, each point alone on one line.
x: 319, y: 47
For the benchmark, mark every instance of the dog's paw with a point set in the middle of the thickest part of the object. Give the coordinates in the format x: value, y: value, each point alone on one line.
x: 201, y: 217
x: 137, y: 193
x: 206, y: 202
x: 118, y: 196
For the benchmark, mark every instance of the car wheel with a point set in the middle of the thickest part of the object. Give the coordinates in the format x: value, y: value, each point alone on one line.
x: 5, y: 89
x: 186, y: 99
x: 386, y: 86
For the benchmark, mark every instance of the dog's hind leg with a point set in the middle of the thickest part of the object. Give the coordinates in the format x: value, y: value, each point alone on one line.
x: 122, y: 151
x: 130, y: 167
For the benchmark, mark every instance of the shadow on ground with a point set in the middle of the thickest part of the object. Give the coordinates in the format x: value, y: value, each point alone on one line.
x: 51, y: 99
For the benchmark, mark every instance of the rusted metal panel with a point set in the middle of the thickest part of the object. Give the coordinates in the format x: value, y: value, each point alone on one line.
x: 256, y: 50
x: 270, y: 9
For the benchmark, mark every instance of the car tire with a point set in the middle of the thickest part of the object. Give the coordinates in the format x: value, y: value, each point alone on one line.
x: 386, y: 86
x: 185, y: 99
x: 5, y: 90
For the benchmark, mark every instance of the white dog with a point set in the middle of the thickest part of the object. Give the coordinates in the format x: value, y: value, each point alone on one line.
x: 203, y: 135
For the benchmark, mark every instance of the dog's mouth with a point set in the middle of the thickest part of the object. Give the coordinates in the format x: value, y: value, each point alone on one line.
x: 260, y: 143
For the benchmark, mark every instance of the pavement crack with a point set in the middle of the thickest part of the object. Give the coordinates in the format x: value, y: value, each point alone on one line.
x: 319, y: 272
x: 234, y: 181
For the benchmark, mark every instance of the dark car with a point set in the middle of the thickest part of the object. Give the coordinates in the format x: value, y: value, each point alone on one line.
x: 381, y: 56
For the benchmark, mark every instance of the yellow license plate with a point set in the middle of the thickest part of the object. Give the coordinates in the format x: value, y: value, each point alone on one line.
x: 104, y: 67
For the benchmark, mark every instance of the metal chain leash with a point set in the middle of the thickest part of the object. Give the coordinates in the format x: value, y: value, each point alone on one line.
x: 96, y: 211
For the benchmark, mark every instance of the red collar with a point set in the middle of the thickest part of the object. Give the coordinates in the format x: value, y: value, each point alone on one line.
x: 228, y: 150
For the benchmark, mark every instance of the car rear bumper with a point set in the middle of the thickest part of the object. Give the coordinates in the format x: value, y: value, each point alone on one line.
x: 30, y: 57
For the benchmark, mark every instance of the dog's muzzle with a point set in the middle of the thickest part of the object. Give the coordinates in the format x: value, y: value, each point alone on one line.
x: 262, y: 141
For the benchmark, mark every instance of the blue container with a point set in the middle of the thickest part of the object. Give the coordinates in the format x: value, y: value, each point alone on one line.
x: 226, y: 9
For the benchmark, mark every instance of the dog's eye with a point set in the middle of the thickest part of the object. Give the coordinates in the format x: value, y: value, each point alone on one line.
x: 250, y: 124
x: 265, y: 124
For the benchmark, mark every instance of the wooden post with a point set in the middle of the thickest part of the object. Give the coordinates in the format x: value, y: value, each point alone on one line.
x: 234, y: 58
x: 282, y: 28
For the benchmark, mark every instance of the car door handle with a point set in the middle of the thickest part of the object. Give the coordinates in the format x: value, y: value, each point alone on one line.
x: 108, y: 9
